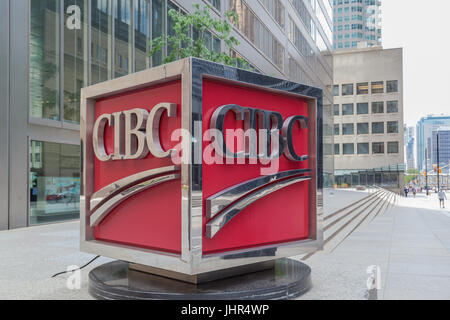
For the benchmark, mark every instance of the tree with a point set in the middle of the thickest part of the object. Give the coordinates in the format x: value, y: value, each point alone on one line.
x: 181, y: 44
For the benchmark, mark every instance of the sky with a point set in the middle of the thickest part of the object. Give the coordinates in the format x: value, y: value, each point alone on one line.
x: 422, y: 28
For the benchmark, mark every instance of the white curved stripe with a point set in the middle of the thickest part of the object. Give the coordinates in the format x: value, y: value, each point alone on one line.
x: 109, y: 205
x: 102, y: 195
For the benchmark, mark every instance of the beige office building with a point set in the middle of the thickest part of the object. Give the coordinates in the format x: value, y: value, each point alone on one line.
x: 368, y: 116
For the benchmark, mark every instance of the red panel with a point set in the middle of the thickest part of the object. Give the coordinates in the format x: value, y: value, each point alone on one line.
x: 277, y: 218
x: 151, y: 219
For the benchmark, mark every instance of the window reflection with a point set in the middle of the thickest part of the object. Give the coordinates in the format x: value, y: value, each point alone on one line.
x: 75, y: 60
x: 122, y: 37
x: 54, y: 182
x: 142, y: 34
x: 101, y: 40
x: 44, y: 59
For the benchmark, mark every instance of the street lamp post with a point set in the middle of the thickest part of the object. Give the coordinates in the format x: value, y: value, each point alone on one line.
x: 438, y: 169
x: 426, y: 172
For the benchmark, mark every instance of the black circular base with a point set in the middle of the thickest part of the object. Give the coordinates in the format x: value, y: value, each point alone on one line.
x: 114, y: 281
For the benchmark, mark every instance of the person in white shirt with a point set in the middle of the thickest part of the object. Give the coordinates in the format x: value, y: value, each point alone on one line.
x: 442, y: 197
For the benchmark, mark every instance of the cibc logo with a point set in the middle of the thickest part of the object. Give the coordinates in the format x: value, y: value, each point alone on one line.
x: 196, y: 167
x: 266, y: 136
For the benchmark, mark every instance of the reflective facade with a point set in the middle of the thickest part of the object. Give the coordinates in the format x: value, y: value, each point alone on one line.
x: 441, y: 138
x: 424, y: 136
x: 357, y: 24
x: 64, y: 45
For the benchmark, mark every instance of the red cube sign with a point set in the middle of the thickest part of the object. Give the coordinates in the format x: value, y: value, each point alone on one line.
x: 194, y: 167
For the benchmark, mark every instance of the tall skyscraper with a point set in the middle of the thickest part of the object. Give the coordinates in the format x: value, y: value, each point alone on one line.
x: 443, y: 160
x: 409, y: 147
x: 424, y: 137
x: 357, y: 24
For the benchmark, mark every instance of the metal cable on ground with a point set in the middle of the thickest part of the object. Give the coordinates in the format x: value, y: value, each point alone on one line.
x: 60, y: 273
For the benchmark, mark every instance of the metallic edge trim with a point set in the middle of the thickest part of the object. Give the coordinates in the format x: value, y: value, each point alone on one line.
x: 117, y: 186
x: 221, y: 200
x: 214, y: 226
x: 108, y: 206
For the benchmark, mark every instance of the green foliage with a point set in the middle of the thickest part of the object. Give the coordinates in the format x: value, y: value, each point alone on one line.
x: 411, y: 174
x: 181, y: 44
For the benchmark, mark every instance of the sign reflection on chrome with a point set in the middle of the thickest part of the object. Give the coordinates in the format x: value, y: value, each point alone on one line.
x: 227, y: 204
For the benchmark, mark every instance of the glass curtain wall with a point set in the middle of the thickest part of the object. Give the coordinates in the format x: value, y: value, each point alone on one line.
x: 75, y: 56
x: 101, y: 40
x: 54, y: 182
x: 123, y: 49
x: 44, y: 46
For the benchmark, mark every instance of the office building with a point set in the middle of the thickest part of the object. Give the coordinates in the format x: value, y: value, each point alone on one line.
x: 357, y: 24
x: 409, y: 147
x: 424, y: 134
x: 368, y: 114
x: 443, y: 161
x: 52, y: 48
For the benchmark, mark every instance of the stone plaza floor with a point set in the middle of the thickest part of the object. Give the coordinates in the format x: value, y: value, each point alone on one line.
x: 410, y: 243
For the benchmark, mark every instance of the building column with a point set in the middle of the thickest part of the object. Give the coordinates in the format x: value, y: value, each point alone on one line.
x: 18, y: 113
x: 4, y: 112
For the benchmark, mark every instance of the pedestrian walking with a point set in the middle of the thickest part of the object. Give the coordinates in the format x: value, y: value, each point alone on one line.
x: 414, y: 192
x: 406, y: 192
x: 442, y: 197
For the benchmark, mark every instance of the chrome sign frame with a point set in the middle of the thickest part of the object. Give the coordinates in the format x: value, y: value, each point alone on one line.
x: 191, y: 261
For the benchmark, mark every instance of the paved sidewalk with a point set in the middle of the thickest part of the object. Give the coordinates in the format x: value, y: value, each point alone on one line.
x: 30, y: 256
x: 411, y: 245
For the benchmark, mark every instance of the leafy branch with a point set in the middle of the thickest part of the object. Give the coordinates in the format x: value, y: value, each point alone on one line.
x: 189, y: 35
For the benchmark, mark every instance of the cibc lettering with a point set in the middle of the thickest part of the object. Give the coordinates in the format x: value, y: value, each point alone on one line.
x: 265, y: 134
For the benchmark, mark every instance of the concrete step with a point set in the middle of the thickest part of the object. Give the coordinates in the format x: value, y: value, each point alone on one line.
x: 351, y: 206
x: 339, y: 225
x: 336, y: 233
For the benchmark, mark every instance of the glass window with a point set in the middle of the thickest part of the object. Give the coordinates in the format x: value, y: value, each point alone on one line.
x: 101, y: 39
x: 392, y: 127
x: 363, y: 128
x: 337, y: 149
x: 347, y: 109
x: 141, y: 34
x: 171, y: 25
x: 75, y: 60
x: 347, y: 89
x: 44, y: 67
x: 215, y: 3
x: 336, y: 90
x: 392, y: 106
x: 336, y: 110
x: 392, y: 86
x: 54, y: 182
x: 363, y: 148
x: 348, y: 129
x: 158, y: 26
x: 336, y: 130
x: 362, y: 88
x: 257, y: 32
x: 378, y: 148
x: 348, y: 148
x: 378, y: 87
x: 393, y: 147
x: 122, y: 33
x: 363, y: 108
x: 377, y: 107
x: 377, y: 127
